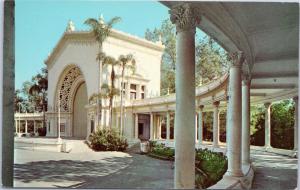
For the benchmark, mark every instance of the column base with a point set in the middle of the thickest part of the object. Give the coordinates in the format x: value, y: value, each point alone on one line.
x: 237, y: 173
x: 267, y: 148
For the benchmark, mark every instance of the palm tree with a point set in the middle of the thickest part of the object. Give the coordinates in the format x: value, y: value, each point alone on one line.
x: 101, y: 31
x: 110, y: 90
x: 125, y: 61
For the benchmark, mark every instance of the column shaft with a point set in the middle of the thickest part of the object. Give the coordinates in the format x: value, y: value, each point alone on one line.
x: 26, y: 126
x: 185, y: 17
x: 196, y: 129
x: 296, y: 124
x: 136, y: 126
x: 246, y: 122
x: 267, y: 125
x: 234, y: 117
x: 216, y: 125
x: 159, y: 127
x: 151, y: 126
x: 200, y: 126
x: 185, y: 110
x: 168, y: 126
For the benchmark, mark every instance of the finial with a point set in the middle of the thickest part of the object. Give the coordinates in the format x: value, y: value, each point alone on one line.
x: 159, y: 39
x: 101, y: 19
x: 70, y: 26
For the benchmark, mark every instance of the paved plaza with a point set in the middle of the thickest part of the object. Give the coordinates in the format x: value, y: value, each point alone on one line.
x: 273, y: 171
x: 90, y: 170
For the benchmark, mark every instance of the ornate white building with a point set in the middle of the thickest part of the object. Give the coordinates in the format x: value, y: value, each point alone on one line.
x: 73, y: 78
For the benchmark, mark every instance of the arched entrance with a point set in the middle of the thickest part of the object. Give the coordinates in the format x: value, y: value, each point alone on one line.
x: 72, y: 92
x: 80, y: 112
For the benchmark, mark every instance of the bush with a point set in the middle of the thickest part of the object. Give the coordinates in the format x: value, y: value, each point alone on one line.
x: 210, y: 166
x: 107, y: 140
x: 213, y: 164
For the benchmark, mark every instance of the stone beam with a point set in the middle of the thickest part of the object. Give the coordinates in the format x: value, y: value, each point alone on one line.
x: 272, y: 86
x: 286, y: 74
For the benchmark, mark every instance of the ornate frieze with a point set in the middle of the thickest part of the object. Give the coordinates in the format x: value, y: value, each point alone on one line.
x: 184, y: 16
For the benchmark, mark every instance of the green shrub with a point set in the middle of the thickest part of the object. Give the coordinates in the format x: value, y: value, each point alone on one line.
x: 214, y: 164
x: 107, y: 140
x: 209, y: 168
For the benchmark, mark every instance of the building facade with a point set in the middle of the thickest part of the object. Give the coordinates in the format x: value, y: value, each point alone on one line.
x: 73, y: 73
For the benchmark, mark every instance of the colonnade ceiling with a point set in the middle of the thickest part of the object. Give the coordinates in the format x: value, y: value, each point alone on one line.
x: 267, y: 33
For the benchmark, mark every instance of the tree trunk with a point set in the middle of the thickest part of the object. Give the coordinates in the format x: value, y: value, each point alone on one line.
x: 121, y: 106
x: 99, y: 101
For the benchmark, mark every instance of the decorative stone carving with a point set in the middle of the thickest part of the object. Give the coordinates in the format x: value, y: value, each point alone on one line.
x: 216, y: 103
x: 237, y: 58
x: 184, y: 16
x: 70, y: 26
x: 246, y: 80
x: 65, y: 89
x: 201, y: 107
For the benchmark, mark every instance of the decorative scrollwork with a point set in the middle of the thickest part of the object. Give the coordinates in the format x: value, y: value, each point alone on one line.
x: 65, y: 88
x: 184, y: 16
x: 237, y: 58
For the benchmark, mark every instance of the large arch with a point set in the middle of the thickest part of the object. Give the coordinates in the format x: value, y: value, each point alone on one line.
x: 71, y: 91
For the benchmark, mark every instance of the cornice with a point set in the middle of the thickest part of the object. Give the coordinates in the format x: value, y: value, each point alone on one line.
x: 87, y: 38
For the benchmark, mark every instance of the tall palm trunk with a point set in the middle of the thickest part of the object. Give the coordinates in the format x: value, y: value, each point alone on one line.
x: 112, y: 78
x: 121, y: 106
x: 99, y: 101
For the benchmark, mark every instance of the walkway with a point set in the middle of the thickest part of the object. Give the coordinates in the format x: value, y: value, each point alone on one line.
x: 90, y: 170
x: 274, y: 171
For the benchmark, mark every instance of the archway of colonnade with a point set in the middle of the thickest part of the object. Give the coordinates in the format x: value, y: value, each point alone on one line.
x: 259, y: 68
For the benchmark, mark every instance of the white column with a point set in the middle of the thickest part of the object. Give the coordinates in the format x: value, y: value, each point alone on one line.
x: 26, y: 126
x: 216, y: 124
x: 151, y: 126
x: 158, y: 127
x: 200, y: 125
x: 234, y: 117
x: 196, y: 129
x: 136, y: 126
x: 185, y: 18
x: 168, y: 126
x: 246, y: 121
x: 267, y: 125
x: 296, y: 124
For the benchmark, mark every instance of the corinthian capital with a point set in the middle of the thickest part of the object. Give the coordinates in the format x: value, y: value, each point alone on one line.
x: 184, y: 16
x: 237, y: 59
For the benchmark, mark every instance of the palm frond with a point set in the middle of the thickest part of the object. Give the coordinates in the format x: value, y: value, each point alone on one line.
x: 100, y: 56
x: 92, y: 23
x: 113, y: 21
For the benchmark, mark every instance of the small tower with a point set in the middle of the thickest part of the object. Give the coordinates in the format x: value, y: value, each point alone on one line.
x: 70, y: 26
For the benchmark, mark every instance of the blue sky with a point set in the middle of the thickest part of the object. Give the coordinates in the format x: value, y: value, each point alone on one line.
x: 40, y: 24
